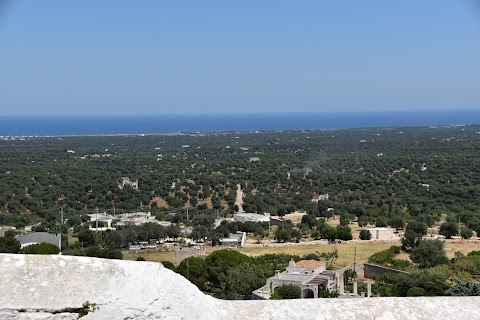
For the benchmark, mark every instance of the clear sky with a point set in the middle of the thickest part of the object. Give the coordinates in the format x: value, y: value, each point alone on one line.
x: 158, y: 57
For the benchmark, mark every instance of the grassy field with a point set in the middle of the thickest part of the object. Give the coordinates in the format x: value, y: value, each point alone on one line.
x: 150, y: 256
x: 464, y: 247
x: 345, y: 251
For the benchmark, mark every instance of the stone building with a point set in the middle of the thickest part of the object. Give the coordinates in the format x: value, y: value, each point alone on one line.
x: 311, y: 276
x: 382, y: 233
x: 126, y: 182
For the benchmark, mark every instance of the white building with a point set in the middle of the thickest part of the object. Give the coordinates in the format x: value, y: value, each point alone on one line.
x: 253, y: 217
x: 382, y: 234
x: 126, y: 182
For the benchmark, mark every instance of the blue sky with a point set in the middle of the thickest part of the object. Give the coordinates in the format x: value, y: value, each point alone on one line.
x: 168, y: 57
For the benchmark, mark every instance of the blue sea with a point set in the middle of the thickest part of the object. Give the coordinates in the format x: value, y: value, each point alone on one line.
x: 156, y: 124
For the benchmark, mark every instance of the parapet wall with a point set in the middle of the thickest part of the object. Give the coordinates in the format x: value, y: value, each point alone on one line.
x: 147, y: 290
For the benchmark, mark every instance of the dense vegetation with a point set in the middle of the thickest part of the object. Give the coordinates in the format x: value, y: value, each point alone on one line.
x: 405, y: 178
x: 384, y: 176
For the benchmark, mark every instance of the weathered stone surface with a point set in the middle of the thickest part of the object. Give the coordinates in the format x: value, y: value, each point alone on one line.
x: 146, y: 290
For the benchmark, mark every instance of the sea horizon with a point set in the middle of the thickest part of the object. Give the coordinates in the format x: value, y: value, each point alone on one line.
x: 72, y: 125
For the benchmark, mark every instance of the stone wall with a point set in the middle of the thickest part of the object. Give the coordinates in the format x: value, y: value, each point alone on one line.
x: 371, y: 270
x: 185, y: 252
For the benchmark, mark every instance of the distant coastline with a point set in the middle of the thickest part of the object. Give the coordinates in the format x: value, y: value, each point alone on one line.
x: 164, y: 124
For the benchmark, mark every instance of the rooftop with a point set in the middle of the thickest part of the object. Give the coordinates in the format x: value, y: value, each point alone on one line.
x: 309, y: 264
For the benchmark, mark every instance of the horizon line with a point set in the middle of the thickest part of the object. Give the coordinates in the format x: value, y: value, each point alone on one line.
x: 242, y: 113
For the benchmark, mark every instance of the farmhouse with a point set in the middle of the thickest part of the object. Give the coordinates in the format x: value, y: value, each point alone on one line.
x: 126, y: 182
x: 311, y: 276
x: 234, y: 240
x: 382, y: 234
x: 320, y: 197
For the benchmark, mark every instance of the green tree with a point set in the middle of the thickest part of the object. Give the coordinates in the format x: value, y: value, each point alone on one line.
x: 365, y: 234
x: 9, y: 245
x: 113, y: 240
x: 283, y: 235
x: 410, y: 240
x: 10, y: 233
x: 432, y: 283
x: 219, y: 262
x: 343, y: 233
x: 466, y: 233
x: 349, y: 275
x: 429, y: 253
x: 86, y: 237
x: 289, y: 291
x: 448, y: 229
x: 246, y: 277
x: 194, y: 269
x: 74, y: 221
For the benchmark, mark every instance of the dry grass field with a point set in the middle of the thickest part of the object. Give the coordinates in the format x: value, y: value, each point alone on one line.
x: 345, y: 250
x: 463, y: 246
x: 150, y: 256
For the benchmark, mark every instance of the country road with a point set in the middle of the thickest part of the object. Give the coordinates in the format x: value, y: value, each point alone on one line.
x: 239, y: 200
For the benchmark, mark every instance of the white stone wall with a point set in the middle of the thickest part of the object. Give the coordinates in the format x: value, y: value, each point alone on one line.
x: 147, y: 290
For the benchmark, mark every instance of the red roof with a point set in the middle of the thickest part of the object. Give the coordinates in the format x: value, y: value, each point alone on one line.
x: 309, y: 264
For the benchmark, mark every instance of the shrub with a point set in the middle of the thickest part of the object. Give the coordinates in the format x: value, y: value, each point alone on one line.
x: 275, y: 296
x: 9, y: 245
x: 385, y: 257
x: 327, y: 294
x: 365, y: 234
x: 415, y: 292
x: 41, y: 248
x: 169, y: 265
x: 464, y: 289
x: 289, y: 291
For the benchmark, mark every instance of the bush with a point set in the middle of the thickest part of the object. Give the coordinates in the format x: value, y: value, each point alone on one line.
x: 400, y: 264
x: 466, y: 233
x: 113, y: 254
x: 9, y: 245
x: 140, y: 258
x: 365, y: 234
x: 169, y: 265
x: 95, y: 251
x: 41, y: 248
x: 464, y: 289
x: 415, y: 292
x: 289, y: 291
x: 275, y: 296
x: 433, y: 283
x: 385, y: 257
x: 327, y: 294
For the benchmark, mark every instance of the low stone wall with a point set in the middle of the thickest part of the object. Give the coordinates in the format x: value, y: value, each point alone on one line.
x: 371, y: 270
x: 185, y: 252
